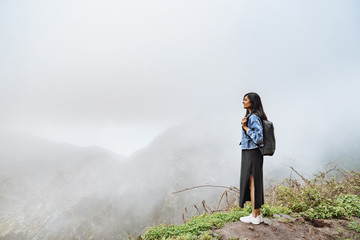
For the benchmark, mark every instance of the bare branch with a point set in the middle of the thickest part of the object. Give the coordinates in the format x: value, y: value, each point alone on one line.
x: 197, y: 209
x: 222, y: 195
x: 304, y: 179
x: 186, y: 189
x: 205, y: 207
x: 227, y: 200
x: 187, y: 214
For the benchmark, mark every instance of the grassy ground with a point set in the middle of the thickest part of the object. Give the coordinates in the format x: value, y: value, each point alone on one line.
x: 332, y: 194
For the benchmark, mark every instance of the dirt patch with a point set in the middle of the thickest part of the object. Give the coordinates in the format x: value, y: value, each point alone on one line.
x: 286, y: 227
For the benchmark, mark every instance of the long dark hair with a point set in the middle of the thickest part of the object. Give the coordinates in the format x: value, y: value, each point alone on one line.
x: 256, y: 105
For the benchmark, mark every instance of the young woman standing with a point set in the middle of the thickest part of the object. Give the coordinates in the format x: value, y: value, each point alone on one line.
x: 251, y: 176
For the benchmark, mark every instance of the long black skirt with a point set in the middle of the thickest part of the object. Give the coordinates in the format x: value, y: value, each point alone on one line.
x: 251, y: 163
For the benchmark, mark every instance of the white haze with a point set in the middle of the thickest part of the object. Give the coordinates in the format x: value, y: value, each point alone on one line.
x: 111, y: 106
x: 116, y: 74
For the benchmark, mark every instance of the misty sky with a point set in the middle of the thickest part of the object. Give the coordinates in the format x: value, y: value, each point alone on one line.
x: 118, y: 73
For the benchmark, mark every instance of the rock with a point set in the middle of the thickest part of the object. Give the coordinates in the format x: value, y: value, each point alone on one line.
x: 285, y: 216
x: 300, y: 219
x: 317, y: 223
x: 251, y: 227
x: 282, y: 220
x: 312, y: 230
x: 269, y: 222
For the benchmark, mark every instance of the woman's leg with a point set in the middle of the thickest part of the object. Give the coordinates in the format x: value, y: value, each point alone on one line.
x: 255, y: 212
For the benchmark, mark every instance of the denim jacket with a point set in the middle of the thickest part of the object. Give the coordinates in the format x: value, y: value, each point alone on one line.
x: 254, y: 135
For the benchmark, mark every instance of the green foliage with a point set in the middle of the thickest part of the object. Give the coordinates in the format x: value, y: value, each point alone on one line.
x: 353, y: 225
x: 196, y: 226
x: 188, y: 236
x: 268, y: 211
x: 323, y: 197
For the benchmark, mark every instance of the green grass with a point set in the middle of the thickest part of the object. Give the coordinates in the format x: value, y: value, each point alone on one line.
x: 198, y: 226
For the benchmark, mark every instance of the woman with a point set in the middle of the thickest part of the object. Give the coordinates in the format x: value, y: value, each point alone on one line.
x: 251, y: 176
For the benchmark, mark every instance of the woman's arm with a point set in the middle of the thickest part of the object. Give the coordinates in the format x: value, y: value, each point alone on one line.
x: 254, y: 129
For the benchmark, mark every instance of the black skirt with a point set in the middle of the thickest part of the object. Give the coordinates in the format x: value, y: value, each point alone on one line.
x: 251, y: 163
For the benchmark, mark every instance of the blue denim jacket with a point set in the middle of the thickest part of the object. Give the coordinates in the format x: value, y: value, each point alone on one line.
x: 253, y: 135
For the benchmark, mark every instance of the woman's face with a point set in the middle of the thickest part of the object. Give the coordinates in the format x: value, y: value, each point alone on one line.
x: 246, y: 103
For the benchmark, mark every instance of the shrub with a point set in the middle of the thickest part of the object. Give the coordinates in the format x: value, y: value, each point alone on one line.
x: 323, y: 197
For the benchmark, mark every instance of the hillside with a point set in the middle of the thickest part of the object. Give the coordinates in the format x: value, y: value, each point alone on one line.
x: 324, y: 207
x: 57, y: 190
x: 285, y: 227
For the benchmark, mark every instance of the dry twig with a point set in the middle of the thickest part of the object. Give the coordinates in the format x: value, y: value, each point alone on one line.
x: 205, y: 207
x: 303, y: 178
x: 222, y: 195
x: 187, y: 214
x: 197, y: 209
x: 186, y: 189
x: 227, y: 201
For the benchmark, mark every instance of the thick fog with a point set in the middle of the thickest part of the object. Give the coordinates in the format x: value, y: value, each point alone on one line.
x: 110, y: 106
x: 117, y: 74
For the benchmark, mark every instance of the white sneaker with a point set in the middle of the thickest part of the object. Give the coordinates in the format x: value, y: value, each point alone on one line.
x: 247, y: 218
x: 251, y: 219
